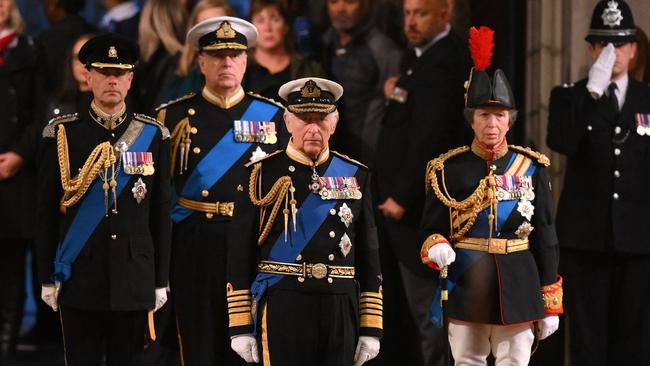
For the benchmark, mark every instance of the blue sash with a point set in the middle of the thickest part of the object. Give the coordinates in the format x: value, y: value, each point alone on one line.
x: 466, y: 258
x: 91, y: 213
x: 220, y: 159
x: 309, y: 219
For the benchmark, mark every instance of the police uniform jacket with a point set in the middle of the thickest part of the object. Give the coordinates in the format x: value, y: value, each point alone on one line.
x: 127, y: 255
x: 244, y: 253
x: 495, y: 288
x: 605, y: 198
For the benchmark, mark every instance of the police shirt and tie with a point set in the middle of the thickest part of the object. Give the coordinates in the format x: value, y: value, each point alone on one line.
x: 104, y: 231
x: 213, y: 136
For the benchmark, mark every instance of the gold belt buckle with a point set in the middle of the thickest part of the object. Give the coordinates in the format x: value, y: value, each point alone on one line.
x: 319, y: 271
x: 497, y: 246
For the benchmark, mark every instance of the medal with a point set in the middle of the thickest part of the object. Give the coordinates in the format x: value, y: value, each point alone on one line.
x: 642, y: 124
x: 139, y: 190
x: 526, y: 209
x: 345, y: 213
x: 257, y: 154
x: 523, y: 231
x: 345, y: 244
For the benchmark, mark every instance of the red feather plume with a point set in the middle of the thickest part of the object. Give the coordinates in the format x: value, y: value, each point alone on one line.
x: 481, y: 42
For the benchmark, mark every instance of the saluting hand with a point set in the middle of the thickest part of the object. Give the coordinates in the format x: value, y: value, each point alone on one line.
x: 600, y: 74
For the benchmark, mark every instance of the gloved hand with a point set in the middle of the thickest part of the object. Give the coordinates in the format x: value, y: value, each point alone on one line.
x: 161, y: 298
x: 442, y: 255
x: 48, y: 295
x: 600, y: 74
x: 547, y: 326
x: 246, y: 347
x: 367, y: 349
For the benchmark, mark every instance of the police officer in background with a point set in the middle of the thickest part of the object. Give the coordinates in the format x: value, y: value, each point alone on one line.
x: 602, y: 125
x: 103, y: 211
x: 214, y: 134
x: 305, y: 237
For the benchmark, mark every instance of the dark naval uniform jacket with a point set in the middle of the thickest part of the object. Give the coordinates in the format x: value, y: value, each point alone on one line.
x: 127, y: 254
x: 515, y: 280
x: 339, y: 257
x: 605, y: 199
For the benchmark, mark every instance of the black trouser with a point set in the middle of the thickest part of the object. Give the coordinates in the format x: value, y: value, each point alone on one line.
x: 88, y: 335
x: 198, y: 284
x: 12, y: 295
x: 607, y: 301
x: 299, y: 329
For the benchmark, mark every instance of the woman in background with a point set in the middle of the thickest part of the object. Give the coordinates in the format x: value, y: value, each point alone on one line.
x: 274, y: 61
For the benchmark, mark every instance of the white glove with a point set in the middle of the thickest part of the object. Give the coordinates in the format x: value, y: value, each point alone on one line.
x: 367, y: 349
x: 246, y: 347
x: 48, y: 295
x: 547, y: 326
x: 600, y: 74
x: 161, y: 298
x: 442, y: 255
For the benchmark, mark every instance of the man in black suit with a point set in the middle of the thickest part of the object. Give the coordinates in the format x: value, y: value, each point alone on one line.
x: 424, y: 119
x: 103, y: 210
x: 601, y: 125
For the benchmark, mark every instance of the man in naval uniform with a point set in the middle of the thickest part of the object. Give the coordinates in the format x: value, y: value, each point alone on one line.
x: 303, y: 270
x: 104, y: 234
x: 488, y: 223
x: 214, y: 134
x: 602, y: 125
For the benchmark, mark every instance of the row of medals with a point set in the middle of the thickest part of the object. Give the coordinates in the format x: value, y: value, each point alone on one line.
x: 346, y: 193
x: 259, y: 137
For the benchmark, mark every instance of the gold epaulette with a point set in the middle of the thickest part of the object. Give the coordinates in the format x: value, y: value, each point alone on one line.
x: 165, y: 105
x: 247, y: 165
x: 50, y: 129
x: 439, y: 163
x: 349, y: 159
x: 270, y: 100
x: 541, y: 158
x: 152, y: 121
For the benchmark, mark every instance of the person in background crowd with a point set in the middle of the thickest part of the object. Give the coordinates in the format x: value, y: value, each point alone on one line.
x: 162, y: 27
x: 274, y: 61
x: 640, y: 63
x: 188, y: 76
x: 488, y: 222
x: 361, y: 58
x: 424, y: 119
x: 18, y: 65
x: 602, y: 125
x: 66, y: 25
x: 122, y: 17
x: 103, y: 208
x: 214, y: 133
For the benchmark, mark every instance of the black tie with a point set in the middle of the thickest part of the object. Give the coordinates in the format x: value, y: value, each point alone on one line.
x: 613, y: 101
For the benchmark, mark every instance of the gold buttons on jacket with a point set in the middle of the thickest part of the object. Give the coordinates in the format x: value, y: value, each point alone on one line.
x: 299, y: 257
x: 209, y: 215
x: 292, y: 168
x: 330, y: 280
x: 194, y: 130
x: 332, y: 234
x: 191, y: 111
x: 114, y: 237
x: 332, y: 212
x: 205, y: 193
x: 197, y: 150
x: 330, y: 257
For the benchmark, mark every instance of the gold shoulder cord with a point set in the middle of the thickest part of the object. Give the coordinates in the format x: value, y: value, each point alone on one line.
x: 280, y: 191
x: 102, y: 157
x: 181, y: 140
x: 484, y: 192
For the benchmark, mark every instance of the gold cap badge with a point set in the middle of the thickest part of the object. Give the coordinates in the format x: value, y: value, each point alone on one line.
x: 225, y: 31
x: 310, y: 90
x: 112, y: 52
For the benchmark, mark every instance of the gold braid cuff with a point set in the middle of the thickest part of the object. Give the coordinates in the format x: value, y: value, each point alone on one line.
x: 371, y: 307
x: 239, y: 306
x: 483, y: 196
x: 552, y: 296
x: 101, y: 158
x: 281, y: 190
x: 181, y: 141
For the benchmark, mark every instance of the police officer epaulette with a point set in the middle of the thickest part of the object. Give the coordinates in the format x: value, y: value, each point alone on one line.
x: 541, y: 158
x: 152, y: 121
x: 343, y: 156
x: 270, y: 100
x: 439, y: 163
x: 276, y: 152
x: 50, y: 129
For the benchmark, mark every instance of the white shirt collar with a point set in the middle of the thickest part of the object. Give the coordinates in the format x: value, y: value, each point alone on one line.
x: 120, y: 12
x: 422, y: 49
x: 621, y: 89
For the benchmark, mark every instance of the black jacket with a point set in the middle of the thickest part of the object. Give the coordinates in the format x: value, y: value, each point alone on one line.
x: 427, y: 124
x: 127, y: 255
x: 605, y: 199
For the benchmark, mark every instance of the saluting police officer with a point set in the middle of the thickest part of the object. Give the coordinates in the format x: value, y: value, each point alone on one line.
x: 214, y: 134
x: 602, y: 125
x: 305, y: 237
x: 104, y: 203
